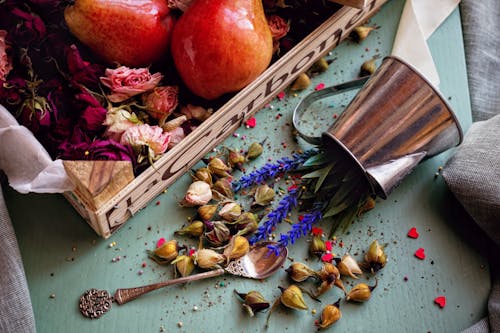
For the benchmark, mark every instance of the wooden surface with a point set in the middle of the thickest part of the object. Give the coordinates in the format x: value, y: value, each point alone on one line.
x: 64, y: 257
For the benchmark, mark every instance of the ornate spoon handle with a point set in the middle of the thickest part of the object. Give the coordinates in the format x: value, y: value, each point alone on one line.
x: 123, y: 296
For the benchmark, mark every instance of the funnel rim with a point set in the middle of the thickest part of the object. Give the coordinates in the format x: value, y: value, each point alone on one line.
x: 436, y: 91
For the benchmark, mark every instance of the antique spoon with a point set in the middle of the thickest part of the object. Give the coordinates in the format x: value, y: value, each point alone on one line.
x: 258, y: 263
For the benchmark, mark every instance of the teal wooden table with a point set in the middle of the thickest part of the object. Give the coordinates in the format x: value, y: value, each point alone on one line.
x: 63, y: 257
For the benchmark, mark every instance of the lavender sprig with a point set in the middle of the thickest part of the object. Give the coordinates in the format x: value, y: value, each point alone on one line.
x: 270, y: 170
x: 299, y: 229
x: 285, y: 206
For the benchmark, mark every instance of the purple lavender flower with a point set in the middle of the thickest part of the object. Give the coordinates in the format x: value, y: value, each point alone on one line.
x: 299, y: 229
x: 271, y: 170
x: 276, y: 216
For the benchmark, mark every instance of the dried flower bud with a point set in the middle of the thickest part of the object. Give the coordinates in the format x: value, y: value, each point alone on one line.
x: 320, y: 66
x: 206, y: 212
x: 196, y: 112
x: 330, y: 315
x: 171, y: 125
x: 369, y: 204
x: 223, y: 188
x: 247, y: 224
x: 197, y: 194
x: 301, y: 82
x: 208, y: 259
x: 291, y: 297
x: 238, y: 246
x: 168, y: 251
x: 330, y: 276
x: 235, y: 159
x: 360, y: 33
x: 219, y: 234
x: 375, y: 258
x: 204, y: 175
x: 299, y: 272
x: 317, y: 246
x: 194, y: 229
x: 360, y: 292
x: 254, y: 151
x: 218, y: 167
x: 230, y: 211
x: 184, y: 265
x: 253, y: 302
x: 348, y: 266
x: 368, y: 67
x: 264, y: 195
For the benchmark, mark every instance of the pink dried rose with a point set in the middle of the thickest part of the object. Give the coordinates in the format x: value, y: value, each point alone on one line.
x: 118, y: 121
x: 197, y: 194
x: 144, y: 135
x: 182, y: 5
x: 5, y: 62
x: 161, y: 101
x: 126, y: 82
x: 177, y: 135
x: 279, y: 26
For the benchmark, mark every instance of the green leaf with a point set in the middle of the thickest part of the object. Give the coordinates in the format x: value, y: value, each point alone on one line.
x: 333, y: 210
x: 316, y: 160
x: 322, y: 178
x: 323, y: 172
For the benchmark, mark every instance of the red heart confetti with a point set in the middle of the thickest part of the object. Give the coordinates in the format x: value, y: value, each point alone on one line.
x: 319, y: 86
x: 328, y: 245
x: 327, y: 257
x: 317, y: 231
x: 281, y: 95
x: 160, y: 242
x: 441, y: 301
x: 251, y: 122
x: 412, y: 233
x: 420, y: 254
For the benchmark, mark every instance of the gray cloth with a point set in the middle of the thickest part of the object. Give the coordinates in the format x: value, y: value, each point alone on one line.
x: 473, y: 173
x: 481, y: 29
x: 16, y: 312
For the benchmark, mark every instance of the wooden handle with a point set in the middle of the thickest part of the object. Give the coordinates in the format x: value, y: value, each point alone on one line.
x: 123, y: 296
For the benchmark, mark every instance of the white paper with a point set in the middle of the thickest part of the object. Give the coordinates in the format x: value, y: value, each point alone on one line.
x: 419, y: 20
x: 25, y: 161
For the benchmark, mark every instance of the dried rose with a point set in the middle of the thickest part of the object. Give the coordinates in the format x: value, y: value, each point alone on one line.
x: 144, y: 135
x: 176, y: 136
x: 126, y: 82
x: 218, y: 167
x: 196, y: 112
x: 219, y: 233
x: 96, y: 150
x: 197, y: 194
x: 223, y: 188
x: 161, y: 101
x: 5, y: 61
x: 118, y: 121
x: 235, y: 159
x: 230, y: 211
x: 165, y: 253
x: 253, y: 302
x: 82, y: 72
x: 204, y: 175
x: 264, y: 195
x: 279, y: 26
x: 208, y: 259
x: 206, y: 212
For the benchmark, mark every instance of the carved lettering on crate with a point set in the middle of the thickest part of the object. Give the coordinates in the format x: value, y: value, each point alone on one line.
x: 231, y: 115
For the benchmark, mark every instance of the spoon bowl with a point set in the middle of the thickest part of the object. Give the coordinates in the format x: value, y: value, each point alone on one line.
x: 259, y: 263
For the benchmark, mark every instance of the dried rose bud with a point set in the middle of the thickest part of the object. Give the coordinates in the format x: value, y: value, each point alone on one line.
x: 204, y: 175
x: 375, y: 257
x: 291, y: 297
x: 196, y: 112
x: 348, y: 266
x: 301, y: 82
x: 319, y: 66
x: 218, y: 167
x: 168, y: 251
x: 249, y: 227
x: 161, y: 101
x: 360, y: 292
x: 206, y: 212
x: 254, y: 151
x: 197, y: 194
x: 360, y: 33
x: 208, y: 259
x: 368, y: 67
x: 219, y: 234
x: 184, y: 265
x: 330, y: 315
x: 299, y: 272
x: 194, y: 229
x: 230, y: 211
x: 238, y: 246
x: 235, y: 159
x: 264, y: 195
x: 253, y: 302
x: 317, y: 246
x: 223, y: 188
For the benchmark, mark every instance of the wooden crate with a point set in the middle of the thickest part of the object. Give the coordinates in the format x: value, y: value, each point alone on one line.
x: 107, y: 212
